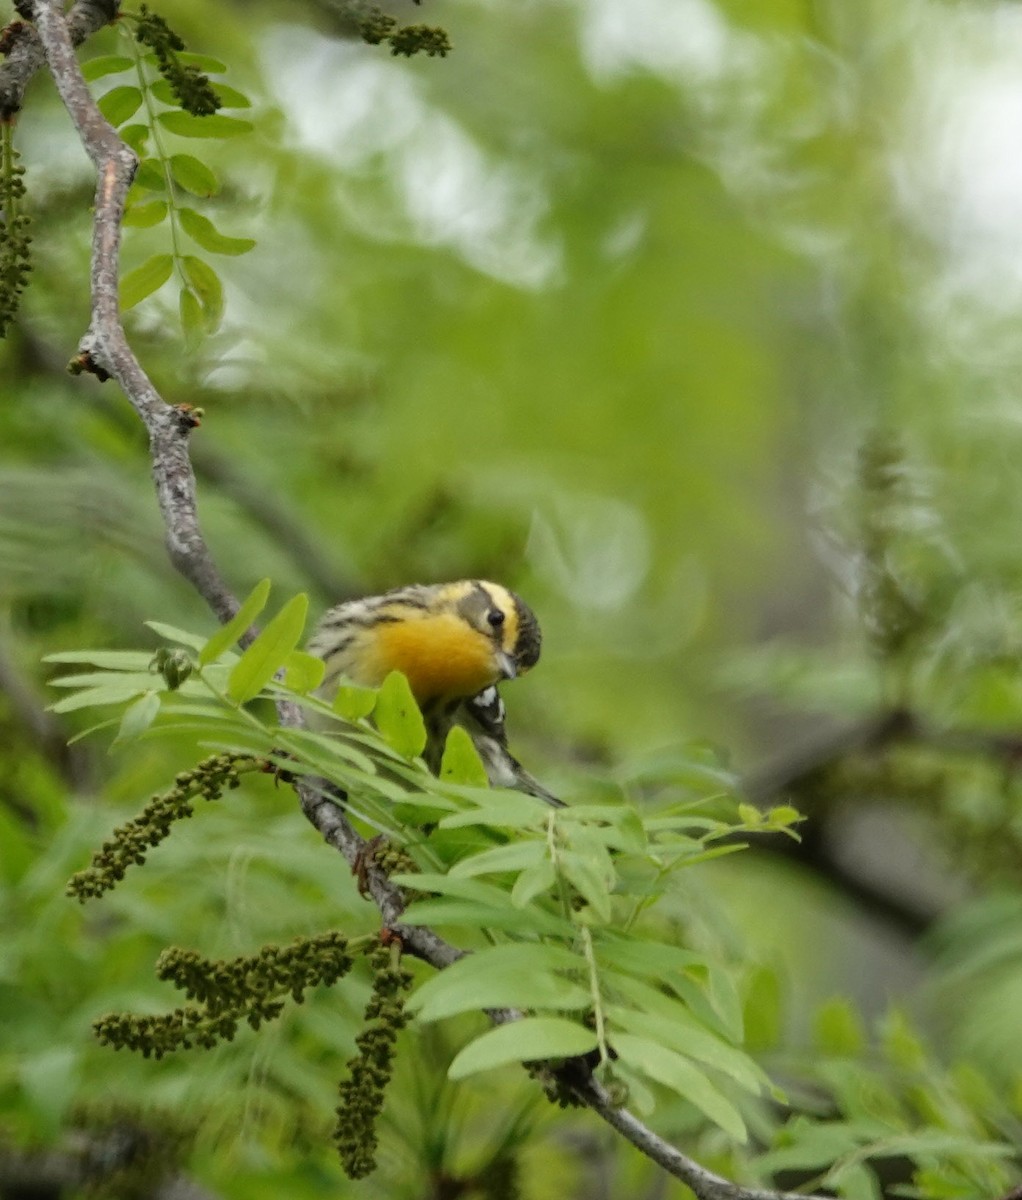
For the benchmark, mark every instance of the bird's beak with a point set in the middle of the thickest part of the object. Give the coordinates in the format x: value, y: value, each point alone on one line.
x: 506, y: 663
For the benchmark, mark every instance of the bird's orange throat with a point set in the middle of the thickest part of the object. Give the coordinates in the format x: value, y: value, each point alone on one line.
x: 441, y: 658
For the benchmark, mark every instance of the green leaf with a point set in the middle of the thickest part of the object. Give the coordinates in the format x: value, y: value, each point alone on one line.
x: 205, y: 62
x: 518, y: 976
x: 353, y: 702
x: 671, y: 1069
x: 144, y: 216
x: 762, y: 1009
x: 228, y: 634
x: 514, y: 857
x: 213, y: 126
x: 677, y: 1029
x: 150, y: 176
x: 461, y: 762
x: 135, y: 136
x: 171, y: 633
x: 304, y: 672
x: 589, y: 881
x: 726, y: 1001
x: 192, y: 316
x: 120, y: 103
x: 646, y: 958
x: 230, y: 97
x: 269, y: 651
x: 532, y: 882
x: 444, y: 911
x: 203, y: 231
x: 837, y: 1028
x: 528, y: 1040
x: 109, y: 660
x: 398, y: 717
x: 499, y: 807
x: 145, y: 280
x: 901, y: 1044
x: 143, y: 679
x: 138, y: 717
x: 324, y: 752
x: 207, y: 286
x: 194, y: 176
x: 111, y: 693
x: 106, y: 64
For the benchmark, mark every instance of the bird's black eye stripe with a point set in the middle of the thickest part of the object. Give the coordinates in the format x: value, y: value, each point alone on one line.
x: 495, y: 617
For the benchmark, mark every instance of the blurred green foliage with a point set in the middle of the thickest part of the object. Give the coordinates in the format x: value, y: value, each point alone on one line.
x: 695, y: 323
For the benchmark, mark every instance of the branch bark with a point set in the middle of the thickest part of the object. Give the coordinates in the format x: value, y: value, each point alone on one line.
x: 26, y: 56
x: 104, y: 350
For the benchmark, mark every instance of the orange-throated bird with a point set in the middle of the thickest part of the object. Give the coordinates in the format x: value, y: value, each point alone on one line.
x: 455, y: 642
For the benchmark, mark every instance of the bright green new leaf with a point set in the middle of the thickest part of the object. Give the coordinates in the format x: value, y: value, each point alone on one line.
x: 213, y: 126
x: 676, y: 1072
x: 171, y: 633
x: 589, y: 881
x: 532, y: 882
x: 510, y: 810
x: 202, y: 230
x: 652, y: 959
x: 111, y: 693
x: 304, y: 672
x: 268, y: 653
x: 145, y: 280
x: 109, y: 660
x: 838, y: 1028
x: 398, y: 717
x: 677, y: 1029
x: 516, y: 856
x: 353, y: 702
x: 119, y: 104
x: 461, y: 762
x: 524, y: 921
x: 150, y: 176
x: 207, y: 286
x: 762, y: 1009
x: 528, y: 1040
x: 190, y: 58
x: 106, y: 64
x: 135, y: 136
x: 192, y: 317
x: 230, y: 97
x: 194, y: 176
x: 228, y: 634
x: 901, y: 1044
x: 517, y: 976
x: 142, y: 679
x: 138, y: 716
x: 144, y: 216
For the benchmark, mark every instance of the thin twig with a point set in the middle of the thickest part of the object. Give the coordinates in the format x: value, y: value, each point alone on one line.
x: 25, y: 55
x: 105, y: 349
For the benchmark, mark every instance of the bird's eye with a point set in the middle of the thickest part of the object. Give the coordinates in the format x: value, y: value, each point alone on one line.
x: 495, y: 617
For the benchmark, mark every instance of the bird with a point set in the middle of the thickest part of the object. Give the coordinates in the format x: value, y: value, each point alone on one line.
x: 454, y: 642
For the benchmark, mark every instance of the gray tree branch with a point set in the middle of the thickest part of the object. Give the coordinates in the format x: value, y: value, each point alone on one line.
x: 25, y: 55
